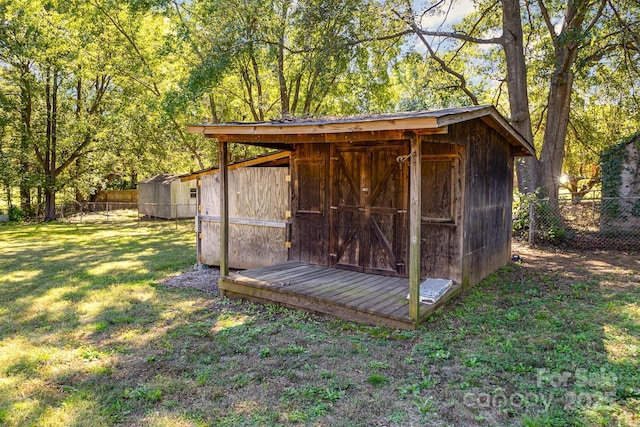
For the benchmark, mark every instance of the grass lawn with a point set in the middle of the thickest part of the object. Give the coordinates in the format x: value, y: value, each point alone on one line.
x: 89, y: 336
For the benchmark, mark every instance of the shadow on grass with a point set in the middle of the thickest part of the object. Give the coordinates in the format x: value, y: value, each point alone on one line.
x: 73, y: 298
x: 550, y: 342
x: 88, y: 338
x: 44, y: 266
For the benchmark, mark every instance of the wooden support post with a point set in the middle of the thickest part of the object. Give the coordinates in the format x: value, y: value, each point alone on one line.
x: 415, y: 225
x: 198, y: 222
x: 224, y: 209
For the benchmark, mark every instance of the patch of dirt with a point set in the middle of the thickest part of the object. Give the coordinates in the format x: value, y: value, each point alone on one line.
x: 205, y: 280
x: 610, y: 269
x: 552, y: 259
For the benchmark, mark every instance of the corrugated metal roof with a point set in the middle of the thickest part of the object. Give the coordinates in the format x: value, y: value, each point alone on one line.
x: 163, y: 178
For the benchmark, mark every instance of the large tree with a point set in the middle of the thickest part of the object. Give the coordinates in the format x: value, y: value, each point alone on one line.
x: 258, y: 59
x: 85, y: 82
x: 543, y: 46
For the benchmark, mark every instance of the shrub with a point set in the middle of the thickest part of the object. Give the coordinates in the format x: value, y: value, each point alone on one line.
x: 15, y: 213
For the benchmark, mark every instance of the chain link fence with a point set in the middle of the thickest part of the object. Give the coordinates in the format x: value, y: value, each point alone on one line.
x: 121, y: 213
x: 589, y: 222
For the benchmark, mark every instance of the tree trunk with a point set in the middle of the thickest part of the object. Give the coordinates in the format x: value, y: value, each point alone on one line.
x: 49, y: 203
x: 555, y: 133
x: 25, y: 143
x: 513, y: 45
x: 282, y: 81
x: 39, y: 202
x: 25, y: 190
x: 78, y: 173
x: 52, y: 139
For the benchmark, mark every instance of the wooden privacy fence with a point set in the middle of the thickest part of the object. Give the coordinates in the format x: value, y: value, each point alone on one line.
x: 118, y: 196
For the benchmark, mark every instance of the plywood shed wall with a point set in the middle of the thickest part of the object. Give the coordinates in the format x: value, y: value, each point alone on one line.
x: 183, y: 200
x: 258, y: 201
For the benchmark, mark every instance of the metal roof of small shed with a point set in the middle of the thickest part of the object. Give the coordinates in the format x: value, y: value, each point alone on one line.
x: 163, y: 178
x: 364, y: 127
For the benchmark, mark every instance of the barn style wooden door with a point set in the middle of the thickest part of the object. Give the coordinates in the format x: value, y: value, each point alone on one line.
x: 369, y: 208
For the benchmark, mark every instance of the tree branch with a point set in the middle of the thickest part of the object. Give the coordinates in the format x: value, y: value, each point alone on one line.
x: 634, y: 34
x: 76, y: 153
x: 547, y: 21
x: 596, y: 17
x: 133, y: 44
x: 461, y: 36
x: 463, y: 83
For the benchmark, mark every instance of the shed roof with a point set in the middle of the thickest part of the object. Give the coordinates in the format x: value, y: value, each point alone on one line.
x: 268, y: 159
x: 163, y: 178
x: 364, y: 127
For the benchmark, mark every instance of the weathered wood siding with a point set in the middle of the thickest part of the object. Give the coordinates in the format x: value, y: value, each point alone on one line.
x: 478, y: 241
x: 467, y: 184
x: 310, y: 204
x: 442, y: 208
x: 487, y: 197
x: 258, y: 200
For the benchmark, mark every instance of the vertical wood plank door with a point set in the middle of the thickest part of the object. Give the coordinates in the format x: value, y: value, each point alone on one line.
x: 368, y: 208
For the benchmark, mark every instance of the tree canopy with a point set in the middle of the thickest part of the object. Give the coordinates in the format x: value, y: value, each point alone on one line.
x: 101, y: 88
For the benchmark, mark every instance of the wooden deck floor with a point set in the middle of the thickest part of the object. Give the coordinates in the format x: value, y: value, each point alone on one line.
x: 349, y: 295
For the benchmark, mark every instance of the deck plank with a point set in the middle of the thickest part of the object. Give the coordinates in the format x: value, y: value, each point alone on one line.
x: 270, y: 268
x: 390, y: 296
x: 373, y: 290
x: 352, y: 282
x: 342, y: 281
x: 361, y: 287
x: 278, y: 275
x: 307, y: 277
x: 351, y: 295
x: 290, y: 277
x: 365, y: 299
x: 310, y: 284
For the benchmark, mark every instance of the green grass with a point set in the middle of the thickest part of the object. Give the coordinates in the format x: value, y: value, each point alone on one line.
x: 88, y: 337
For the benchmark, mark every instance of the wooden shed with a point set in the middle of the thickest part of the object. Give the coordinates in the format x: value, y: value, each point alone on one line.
x: 166, y: 196
x: 257, y: 212
x: 378, y: 205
